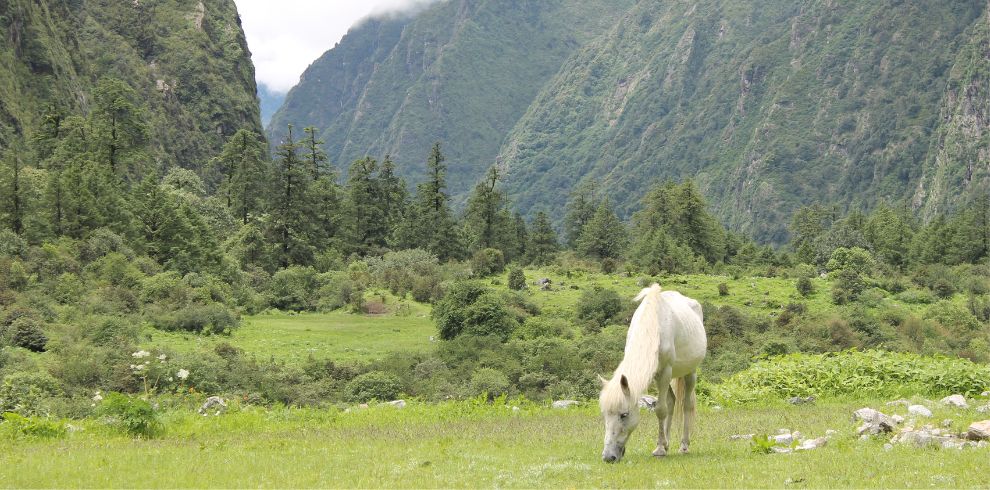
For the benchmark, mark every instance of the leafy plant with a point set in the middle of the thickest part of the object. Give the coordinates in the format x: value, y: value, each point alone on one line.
x: 132, y: 415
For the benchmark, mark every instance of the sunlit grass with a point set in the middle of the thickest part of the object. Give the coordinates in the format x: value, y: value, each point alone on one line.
x: 464, y: 444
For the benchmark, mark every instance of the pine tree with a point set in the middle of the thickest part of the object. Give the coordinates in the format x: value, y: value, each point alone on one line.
x: 890, y: 232
x: 392, y: 195
x: 542, y: 243
x: 487, y: 222
x: 119, y: 131
x: 604, y: 236
x: 430, y: 224
x: 316, y: 159
x: 580, y: 208
x: 243, y: 171
x: 516, y: 249
x: 291, y: 223
x: 366, y: 218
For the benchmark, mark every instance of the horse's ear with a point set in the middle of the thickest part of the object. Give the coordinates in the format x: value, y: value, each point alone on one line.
x: 602, y: 380
x: 625, y: 384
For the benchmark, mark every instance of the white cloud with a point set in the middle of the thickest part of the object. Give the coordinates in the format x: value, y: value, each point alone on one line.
x: 286, y: 36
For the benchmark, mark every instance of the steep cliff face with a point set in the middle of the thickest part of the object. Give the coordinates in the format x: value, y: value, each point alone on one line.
x: 461, y: 72
x: 958, y: 163
x: 768, y: 105
x: 187, y: 60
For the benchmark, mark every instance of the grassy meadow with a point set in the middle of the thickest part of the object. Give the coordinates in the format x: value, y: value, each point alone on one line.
x: 472, y: 444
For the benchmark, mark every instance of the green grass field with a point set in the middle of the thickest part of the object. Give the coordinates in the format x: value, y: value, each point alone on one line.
x: 337, y: 335
x: 467, y: 444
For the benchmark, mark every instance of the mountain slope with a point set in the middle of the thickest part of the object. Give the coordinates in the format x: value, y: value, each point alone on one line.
x: 461, y: 72
x: 187, y: 60
x: 768, y: 105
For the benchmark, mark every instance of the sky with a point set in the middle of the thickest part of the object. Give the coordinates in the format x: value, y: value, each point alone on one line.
x: 285, y: 36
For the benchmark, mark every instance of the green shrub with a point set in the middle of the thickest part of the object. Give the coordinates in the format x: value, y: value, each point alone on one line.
x: 28, y: 393
x: 854, y: 258
x: 26, y: 332
x: 489, y: 381
x: 943, y: 288
x: 33, y: 426
x: 213, y: 318
x: 374, y: 385
x: 915, y: 296
x: 870, y: 373
x: 470, y: 308
x: 847, y: 285
x: 517, y: 279
x: 487, y: 261
x: 723, y: 289
x: 599, y: 306
x: 294, y: 289
x: 132, y: 415
x: 541, y: 326
x: 804, y: 286
x: 405, y: 271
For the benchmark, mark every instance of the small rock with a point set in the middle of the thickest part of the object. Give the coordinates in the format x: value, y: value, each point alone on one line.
x: 888, y: 446
x: 781, y: 450
x: 979, y: 431
x: 809, y: 444
x: 874, y: 422
x: 783, y: 431
x: 952, y: 444
x: 213, y: 401
x: 397, y: 403
x: 947, y: 424
x: 955, y: 401
x: 741, y: 437
x: 985, y: 394
x: 716, y: 407
x: 363, y: 405
x: 864, y: 437
x: 984, y: 408
x: 647, y: 401
x: 783, y: 439
x: 831, y: 432
x: 901, y: 402
x: 565, y: 403
x: 919, y: 410
x: 897, y: 419
x: 800, y: 400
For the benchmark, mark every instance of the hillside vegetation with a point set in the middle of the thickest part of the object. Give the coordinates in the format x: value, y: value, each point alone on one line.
x: 769, y: 106
x: 187, y: 60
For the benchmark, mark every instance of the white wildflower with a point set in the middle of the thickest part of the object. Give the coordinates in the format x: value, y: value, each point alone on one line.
x: 97, y: 397
x: 141, y: 353
x: 182, y: 374
x: 162, y: 357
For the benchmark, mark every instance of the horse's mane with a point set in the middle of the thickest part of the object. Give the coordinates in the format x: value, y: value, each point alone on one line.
x: 641, y: 359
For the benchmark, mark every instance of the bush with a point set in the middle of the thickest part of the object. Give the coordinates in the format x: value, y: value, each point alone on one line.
x: 846, y: 286
x: 489, y: 381
x: 488, y: 261
x: 599, y: 306
x: 539, y: 326
x: 28, y: 393
x: 406, y: 270
x: 212, y: 318
x: 294, y: 288
x: 854, y: 258
x: 914, y: 296
x: 723, y: 289
x: 870, y: 373
x: 26, y: 332
x: 517, y: 279
x: 470, y: 308
x: 133, y: 415
x: 33, y: 426
x: 804, y: 286
x: 374, y: 385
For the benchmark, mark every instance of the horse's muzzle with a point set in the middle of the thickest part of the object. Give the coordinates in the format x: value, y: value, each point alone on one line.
x: 614, y: 457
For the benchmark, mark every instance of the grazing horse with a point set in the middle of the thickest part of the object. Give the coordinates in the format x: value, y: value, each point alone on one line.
x: 666, y: 343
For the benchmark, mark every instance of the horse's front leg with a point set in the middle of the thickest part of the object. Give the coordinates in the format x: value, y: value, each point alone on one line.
x: 663, y: 410
x: 689, y: 409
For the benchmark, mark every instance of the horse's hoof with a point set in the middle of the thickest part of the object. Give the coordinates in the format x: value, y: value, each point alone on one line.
x: 684, y: 449
x: 660, y: 452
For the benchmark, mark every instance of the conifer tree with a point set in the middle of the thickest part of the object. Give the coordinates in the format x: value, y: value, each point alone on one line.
x: 316, y: 159
x: 291, y: 223
x: 580, y: 208
x: 392, y: 195
x: 366, y: 217
x: 119, y: 131
x: 604, y: 236
x: 430, y: 224
x: 243, y: 172
x: 487, y: 221
x: 542, y: 243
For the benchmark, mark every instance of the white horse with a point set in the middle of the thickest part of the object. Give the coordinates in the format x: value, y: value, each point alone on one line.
x: 666, y: 343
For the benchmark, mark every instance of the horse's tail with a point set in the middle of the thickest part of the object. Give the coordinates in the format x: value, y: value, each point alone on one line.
x: 653, y: 289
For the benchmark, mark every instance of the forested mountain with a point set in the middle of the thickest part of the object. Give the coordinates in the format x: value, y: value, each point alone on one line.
x: 186, y: 60
x: 767, y: 105
x: 460, y: 71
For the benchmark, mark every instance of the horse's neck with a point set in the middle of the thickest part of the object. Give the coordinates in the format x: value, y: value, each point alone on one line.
x: 642, y: 354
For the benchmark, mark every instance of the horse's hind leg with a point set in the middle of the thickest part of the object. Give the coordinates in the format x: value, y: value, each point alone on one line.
x: 664, y: 410
x: 671, y: 403
x: 689, y: 409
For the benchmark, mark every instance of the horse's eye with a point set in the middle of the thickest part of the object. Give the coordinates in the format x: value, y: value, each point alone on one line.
x: 623, y: 415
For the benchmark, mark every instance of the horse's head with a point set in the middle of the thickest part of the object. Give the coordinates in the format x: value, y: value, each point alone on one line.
x: 621, y: 416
